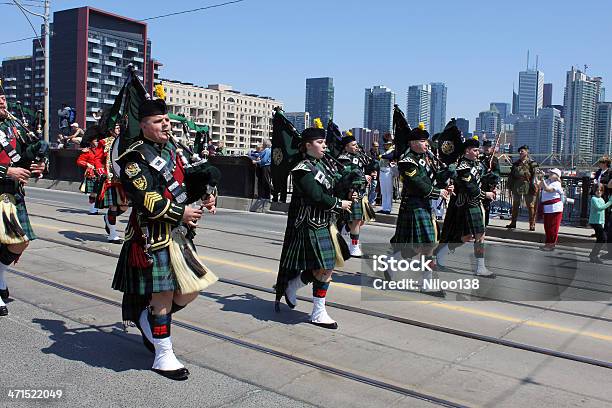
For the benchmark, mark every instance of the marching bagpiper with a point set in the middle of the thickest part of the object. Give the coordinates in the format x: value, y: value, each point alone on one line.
x: 465, y: 219
x: 20, y: 159
x: 158, y: 270
x: 360, y: 209
x: 91, y: 160
x: 416, y: 224
x: 311, y: 248
x: 111, y: 194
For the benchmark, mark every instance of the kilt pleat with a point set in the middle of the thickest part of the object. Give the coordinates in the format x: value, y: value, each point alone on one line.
x: 416, y: 226
x: 23, y: 217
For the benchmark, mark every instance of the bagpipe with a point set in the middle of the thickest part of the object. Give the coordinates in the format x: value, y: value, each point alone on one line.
x: 35, y: 145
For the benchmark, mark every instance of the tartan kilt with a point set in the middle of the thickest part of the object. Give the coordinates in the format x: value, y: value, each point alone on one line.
x: 112, y: 196
x: 472, y: 219
x: 415, y: 226
x: 356, y: 210
x: 24, y: 218
x: 304, y: 248
x: 139, y: 281
x: 91, y: 185
x: 138, y: 284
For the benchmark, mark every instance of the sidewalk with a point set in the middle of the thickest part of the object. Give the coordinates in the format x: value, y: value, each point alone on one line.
x: 568, y: 235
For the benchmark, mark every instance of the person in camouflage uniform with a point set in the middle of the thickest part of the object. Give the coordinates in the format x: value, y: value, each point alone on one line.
x: 466, y: 217
x: 19, y: 160
x: 491, y: 174
x: 522, y: 183
x: 416, y: 225
x: 353, y: 161
x: 310, y: 246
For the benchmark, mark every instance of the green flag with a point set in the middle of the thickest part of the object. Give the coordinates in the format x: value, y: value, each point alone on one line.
x: 285, y: 147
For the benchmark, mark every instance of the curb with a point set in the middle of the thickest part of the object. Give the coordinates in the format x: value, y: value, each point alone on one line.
x: 265, y: 206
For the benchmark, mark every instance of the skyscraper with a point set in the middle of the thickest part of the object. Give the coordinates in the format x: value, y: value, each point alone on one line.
x: 90, y: 50
x: 437, y: 107
x: 490, y: 123
x: 418, y: 106
x: 301, y: 120
x: 514, y: 102
x: 378, y: 108
x: 320, y: 98
x: 580, y: 110
x: 603, y: 129
x: 531, y: 92
x: 464, y: 126
x: 550, y: 127
x: 548, y: 90
x: 525, y: 133
x: 502, y: 107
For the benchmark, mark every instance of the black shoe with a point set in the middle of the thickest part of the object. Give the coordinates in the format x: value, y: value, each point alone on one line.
x: 115, y: 241
x: 146, y: 341
x: 3, y: 311
x: 595, y: 260
x: 177, y: 375
x: 4, y: 294
x: 332, y: 326
x: 511, y: 225
x: 383, y: 212
x: 438, y: 293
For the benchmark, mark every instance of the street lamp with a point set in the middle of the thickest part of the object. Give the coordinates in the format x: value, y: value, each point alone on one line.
x: 45, y: 18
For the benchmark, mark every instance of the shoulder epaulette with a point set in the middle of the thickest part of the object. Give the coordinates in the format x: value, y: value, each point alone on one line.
x: 133, y: 148
x: 407, y: 158
x: 302, y: 166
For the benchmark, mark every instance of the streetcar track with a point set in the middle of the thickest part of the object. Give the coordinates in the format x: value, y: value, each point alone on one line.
x: 330, y: 369
x: 451, y: 270
x: 398, y: 319
x: 349, y: 273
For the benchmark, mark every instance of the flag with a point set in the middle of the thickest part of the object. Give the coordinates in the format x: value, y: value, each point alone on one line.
x: 401, y: 130
x: 333, y: 140
x: 285, y: 147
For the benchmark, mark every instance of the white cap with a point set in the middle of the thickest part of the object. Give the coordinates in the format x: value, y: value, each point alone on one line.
x: 555, y: 171
x: 75, y: 124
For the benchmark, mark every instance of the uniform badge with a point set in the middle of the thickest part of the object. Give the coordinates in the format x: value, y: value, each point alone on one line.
x: 277, y: 156
x: 158, y: 163
x: 422, y: 162
x: 140, y: 183
x: 356, y: 161
x: 447, y: 147
x: 132, y: 169
x: 411, y: 173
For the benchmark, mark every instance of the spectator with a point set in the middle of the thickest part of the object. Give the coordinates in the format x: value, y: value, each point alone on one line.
x: 386, y: 176
x: 596, y: 220
x: 264, y: 163
x: 64, y: 119
x: 374, y: 153
x: 220, y: 151
x: 552, y: 201
x: 522, y: 184
x: 74, y: 137
x: 603, y: 175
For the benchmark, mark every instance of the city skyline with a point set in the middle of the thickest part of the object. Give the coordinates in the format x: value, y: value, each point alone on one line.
x: 224, y: 59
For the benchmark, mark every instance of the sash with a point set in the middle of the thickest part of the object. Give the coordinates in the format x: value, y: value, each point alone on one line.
x: 172, y: 180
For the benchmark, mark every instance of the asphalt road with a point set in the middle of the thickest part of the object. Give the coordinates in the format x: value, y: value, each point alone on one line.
x: 463, y: 357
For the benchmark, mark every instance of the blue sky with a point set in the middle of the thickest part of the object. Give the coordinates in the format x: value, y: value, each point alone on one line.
x: 269, y: 47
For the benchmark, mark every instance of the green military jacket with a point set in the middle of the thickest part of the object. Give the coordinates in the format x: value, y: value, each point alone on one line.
x: 418, y: 177
x: 521, y: 177
x: 146, y: 188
